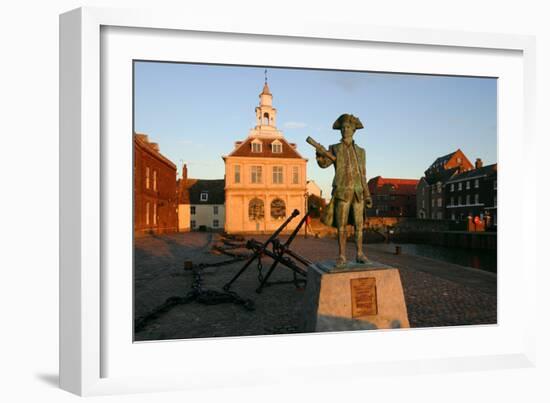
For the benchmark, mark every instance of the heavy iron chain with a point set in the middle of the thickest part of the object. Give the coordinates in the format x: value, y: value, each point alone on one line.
x: 199, y: 294
x: 260, y: 267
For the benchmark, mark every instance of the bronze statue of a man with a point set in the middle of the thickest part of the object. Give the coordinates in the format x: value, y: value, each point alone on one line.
x: 349, y: 186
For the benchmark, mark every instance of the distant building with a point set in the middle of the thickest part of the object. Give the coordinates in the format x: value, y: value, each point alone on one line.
x: 313, y: 188
x: 207, y: 208
x: 430, y: 192
x: 154, y: 189
x: 392, y: 197
x: 265, y: 176
x: 473, y: 194
x: 184, y: 200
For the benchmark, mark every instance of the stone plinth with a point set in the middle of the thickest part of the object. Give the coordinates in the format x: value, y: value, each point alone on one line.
x: 358, y: 296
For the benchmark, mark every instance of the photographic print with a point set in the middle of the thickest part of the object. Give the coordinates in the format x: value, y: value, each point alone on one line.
x: 272, y: 200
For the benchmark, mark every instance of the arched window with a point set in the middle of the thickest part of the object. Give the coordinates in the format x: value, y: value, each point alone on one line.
x: 266, y: 118
x: 256, y: 209
x: 278, y: 209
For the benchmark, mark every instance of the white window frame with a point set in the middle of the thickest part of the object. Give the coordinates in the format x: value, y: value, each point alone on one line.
x: 215, y: 210
x: 459, y: 185
x: 237, y: 174
x: 467, y: 185
x: 215, y: 223
x: 277, y: 147
x: 256, y: 174
x: 204, y: 197
x: 476, y: 183
x: 256, y: 146
x: 295, y: 175
x: 277, y: 176
x: 193, y: 210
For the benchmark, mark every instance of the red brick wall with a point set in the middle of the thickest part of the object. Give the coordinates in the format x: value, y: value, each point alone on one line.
x: 464, y: 163
x: 164, y: 197
x: 393, y: 197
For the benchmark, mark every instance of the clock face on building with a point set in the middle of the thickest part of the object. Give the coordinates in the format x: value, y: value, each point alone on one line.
x: 256, y: 209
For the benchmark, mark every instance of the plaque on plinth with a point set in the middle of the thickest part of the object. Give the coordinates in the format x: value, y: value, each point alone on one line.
x: 358, y: 296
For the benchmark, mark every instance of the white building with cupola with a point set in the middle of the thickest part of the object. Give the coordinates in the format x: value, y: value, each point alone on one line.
x: 265, y: 176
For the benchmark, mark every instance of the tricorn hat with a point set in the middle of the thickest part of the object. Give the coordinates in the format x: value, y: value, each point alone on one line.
x: 353, y: 119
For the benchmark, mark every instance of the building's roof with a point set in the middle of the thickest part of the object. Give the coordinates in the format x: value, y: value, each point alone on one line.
x: 215, y: 188
x: 245, y: 149
x: 183, y: 186
x: 142, y: 140
x: 266, y: 90
x: 395, y: 185
x: 473, y: 173
x: 444, y: 159
x: 441, y: 176
x: 446, y: 166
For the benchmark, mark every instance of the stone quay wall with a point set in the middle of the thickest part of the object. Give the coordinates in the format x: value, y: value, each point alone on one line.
x: 414, y: 230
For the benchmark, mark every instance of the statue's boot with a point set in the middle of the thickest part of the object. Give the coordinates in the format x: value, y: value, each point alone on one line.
x: 361, y: 258
x: 341, y: 261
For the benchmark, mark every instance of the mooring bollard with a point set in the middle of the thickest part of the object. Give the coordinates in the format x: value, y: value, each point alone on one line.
x: 398, y: 250
x: 188, y: 265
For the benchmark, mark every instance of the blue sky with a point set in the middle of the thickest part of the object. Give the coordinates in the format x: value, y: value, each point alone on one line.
x: 196, y: 113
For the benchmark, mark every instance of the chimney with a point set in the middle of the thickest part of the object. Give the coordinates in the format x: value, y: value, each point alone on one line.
x: 479, y: 163
x: 184, y: 172
x: 142, y: 137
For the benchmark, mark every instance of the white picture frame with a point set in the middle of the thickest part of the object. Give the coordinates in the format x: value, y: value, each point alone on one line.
x: 91, y: 344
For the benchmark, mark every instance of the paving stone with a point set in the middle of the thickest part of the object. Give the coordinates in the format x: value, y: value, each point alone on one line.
x: 436, y: 293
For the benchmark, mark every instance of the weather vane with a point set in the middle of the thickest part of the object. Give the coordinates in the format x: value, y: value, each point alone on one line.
x: 265, y: 73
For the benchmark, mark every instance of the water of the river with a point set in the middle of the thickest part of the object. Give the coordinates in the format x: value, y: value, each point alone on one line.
x: 477, y: 259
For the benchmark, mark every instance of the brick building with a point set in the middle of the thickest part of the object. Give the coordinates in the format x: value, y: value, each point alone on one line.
x: 473, y: 194
x: 154, y: 189
x: 430, y: 192
x: 392, y: 197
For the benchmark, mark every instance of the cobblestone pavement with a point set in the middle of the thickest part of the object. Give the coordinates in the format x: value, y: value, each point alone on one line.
x: 436, y: 293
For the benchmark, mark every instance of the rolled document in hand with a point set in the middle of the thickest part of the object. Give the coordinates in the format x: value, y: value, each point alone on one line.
x: 320, y: 149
